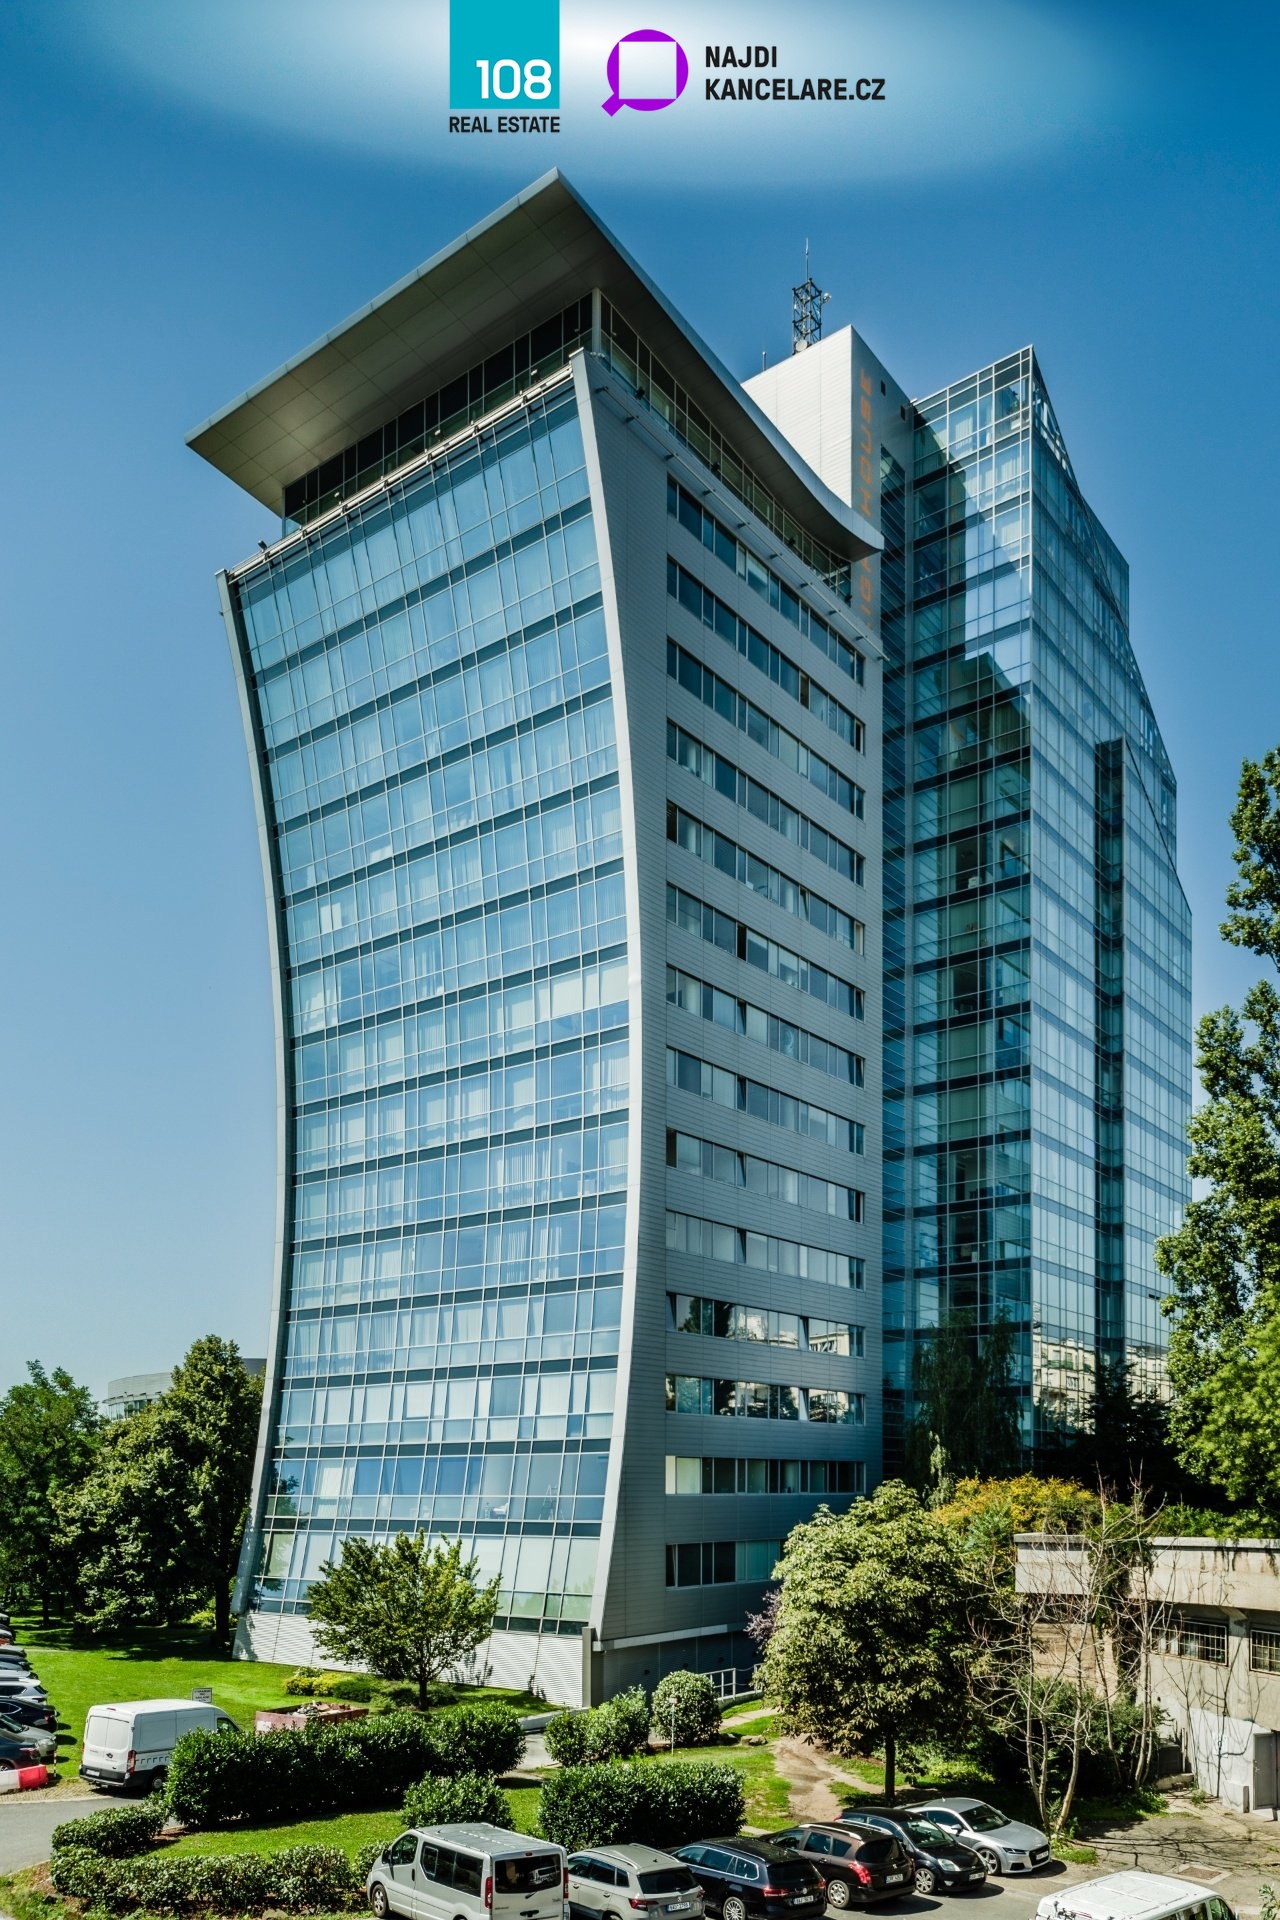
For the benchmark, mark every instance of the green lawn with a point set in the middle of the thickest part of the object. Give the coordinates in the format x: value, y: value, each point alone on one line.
x: 348, y: 1830
x: 164, y: 1663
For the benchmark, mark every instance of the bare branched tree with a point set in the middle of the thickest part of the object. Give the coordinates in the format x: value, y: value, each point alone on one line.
x: 1062, y: 1663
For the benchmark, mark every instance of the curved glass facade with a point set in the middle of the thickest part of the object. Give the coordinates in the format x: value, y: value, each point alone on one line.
x: 430, y: 682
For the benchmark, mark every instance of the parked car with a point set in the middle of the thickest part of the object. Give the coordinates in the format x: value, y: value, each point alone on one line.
x: 468, y: 1872
x: 18, y: 1753
x: 14, y: 1657
x: 741, y: 1877
x: 131, y: 1744
x: 941, y: 1863
x: 609, y: 1879
x: 1133, y: 1895
x: 21, y: 1686
x: 31, y: 1713
x: 860, y: 1864
x: 44, y: 1742
x: 1005, y: 1845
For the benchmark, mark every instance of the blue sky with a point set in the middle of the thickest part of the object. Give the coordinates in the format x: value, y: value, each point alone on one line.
x: 192, y: 194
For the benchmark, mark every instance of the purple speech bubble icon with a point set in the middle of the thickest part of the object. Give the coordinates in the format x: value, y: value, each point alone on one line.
x: 616, y: 99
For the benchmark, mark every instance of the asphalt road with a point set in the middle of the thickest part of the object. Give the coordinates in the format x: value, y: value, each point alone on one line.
x: 25, y: 1828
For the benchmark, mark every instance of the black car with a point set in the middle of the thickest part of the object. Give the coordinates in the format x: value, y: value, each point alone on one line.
x: 32, y: 1713
x: 742, y: 1877
x: 860, y: 1865
x: 17, y: 1753
x: 942, y: 1864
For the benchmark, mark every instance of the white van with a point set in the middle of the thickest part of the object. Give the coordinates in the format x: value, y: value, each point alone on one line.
x: 463, y: 1872
x: 131, y: 1744
x: 1134, y: 1896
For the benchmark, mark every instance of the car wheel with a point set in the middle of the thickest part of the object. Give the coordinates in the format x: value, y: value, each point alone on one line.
x: 926, y: 1880
x: 733, y: 1908
x: 837, y: 1893
x: 158, y: 1779
x: 379, y: 1905
x: 991, y: 1861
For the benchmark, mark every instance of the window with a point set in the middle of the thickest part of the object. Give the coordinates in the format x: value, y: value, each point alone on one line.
x: 1193, y: 1639
x: 718, y: 1563
x: 727, y: 857
x: 762, y: 803
x: 724, y: 1320
x: 729, y: 1474
x: 1264, y: 1649
x: 400, y: 1852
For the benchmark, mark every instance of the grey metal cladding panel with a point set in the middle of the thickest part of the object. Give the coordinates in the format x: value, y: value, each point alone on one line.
x: 635, y: 492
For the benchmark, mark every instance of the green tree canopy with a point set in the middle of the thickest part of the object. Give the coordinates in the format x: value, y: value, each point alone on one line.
x: 870, y: 1645
x: 405, y: 1609
x: 155, y: 1528
x: 1223, y: 1266
x: 48, y: 1436
x: 968, y: 1416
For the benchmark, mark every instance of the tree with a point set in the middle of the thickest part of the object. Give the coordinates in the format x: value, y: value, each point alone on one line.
x: 155, y: 1529
x: 986, y: 1514
x: 48, y: 1435
x: 1061, y: 1667
x: 406, y: 1610
x: 869, y: 1646
x: 1223, y: 1265
x: 968, y: 1419
x: 121, y: 1528
x: 210, y: 1418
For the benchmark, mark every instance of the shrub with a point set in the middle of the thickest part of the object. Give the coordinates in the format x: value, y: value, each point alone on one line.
x: 114, y: 1833
x: 566, y: 1738
x: 216, y: 1778
x: 466, y: 1797
x: 685, y: 1704
x: 611, y: 1732
x: 484, y: 1739
x: 308, y: 1683
x: 307, y: 1879
x: 619, y: 1727
x: 365, y: 1856
x: 650, y: 1803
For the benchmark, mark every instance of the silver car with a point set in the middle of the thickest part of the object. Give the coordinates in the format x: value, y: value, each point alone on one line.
x: 1006, y: 1846
x: 610, y: 1880
x: 44, y: 1742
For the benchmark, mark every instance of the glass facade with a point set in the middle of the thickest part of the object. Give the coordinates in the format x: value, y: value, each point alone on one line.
x: 1037, y: 942
x: 436, y: 724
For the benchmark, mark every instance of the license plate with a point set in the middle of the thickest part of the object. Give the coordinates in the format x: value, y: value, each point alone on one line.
x: 892, y: 1879
x: 976, y: 1875
x: 676, y: 1906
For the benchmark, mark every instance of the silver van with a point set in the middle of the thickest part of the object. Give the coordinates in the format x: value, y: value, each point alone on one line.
x: 465, y: 1872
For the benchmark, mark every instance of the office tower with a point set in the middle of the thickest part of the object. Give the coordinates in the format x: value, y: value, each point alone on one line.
x: 1037, y: 942
x: 564, y: 735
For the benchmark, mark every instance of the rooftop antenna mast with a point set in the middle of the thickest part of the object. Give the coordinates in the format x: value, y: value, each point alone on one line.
x: 807, y: 302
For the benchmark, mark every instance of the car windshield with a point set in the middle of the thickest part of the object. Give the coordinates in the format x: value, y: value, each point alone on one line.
x: 984, y: 1819
x: 667, y: 1880
x: 925, y: 1833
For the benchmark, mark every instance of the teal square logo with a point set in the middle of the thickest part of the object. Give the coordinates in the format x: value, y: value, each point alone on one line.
x: 504, y: 54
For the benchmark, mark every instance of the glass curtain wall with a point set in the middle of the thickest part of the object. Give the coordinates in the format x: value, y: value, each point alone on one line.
x: 436, y: 723
x: 1037, y: 942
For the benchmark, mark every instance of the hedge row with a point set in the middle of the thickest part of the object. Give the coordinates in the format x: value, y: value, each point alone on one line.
x: 645, y: 1801
x: 217, y: 1778
x: 308, y: 1879
x: 114, y: 1833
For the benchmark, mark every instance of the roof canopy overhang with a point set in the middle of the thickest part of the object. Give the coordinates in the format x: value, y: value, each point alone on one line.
x: 524, y: 262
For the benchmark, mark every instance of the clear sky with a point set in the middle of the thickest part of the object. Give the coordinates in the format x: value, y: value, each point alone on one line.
x: 191, y: 194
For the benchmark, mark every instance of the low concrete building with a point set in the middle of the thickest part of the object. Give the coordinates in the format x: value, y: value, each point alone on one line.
x: 1215, y: 1658
x: 138, y: 1390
